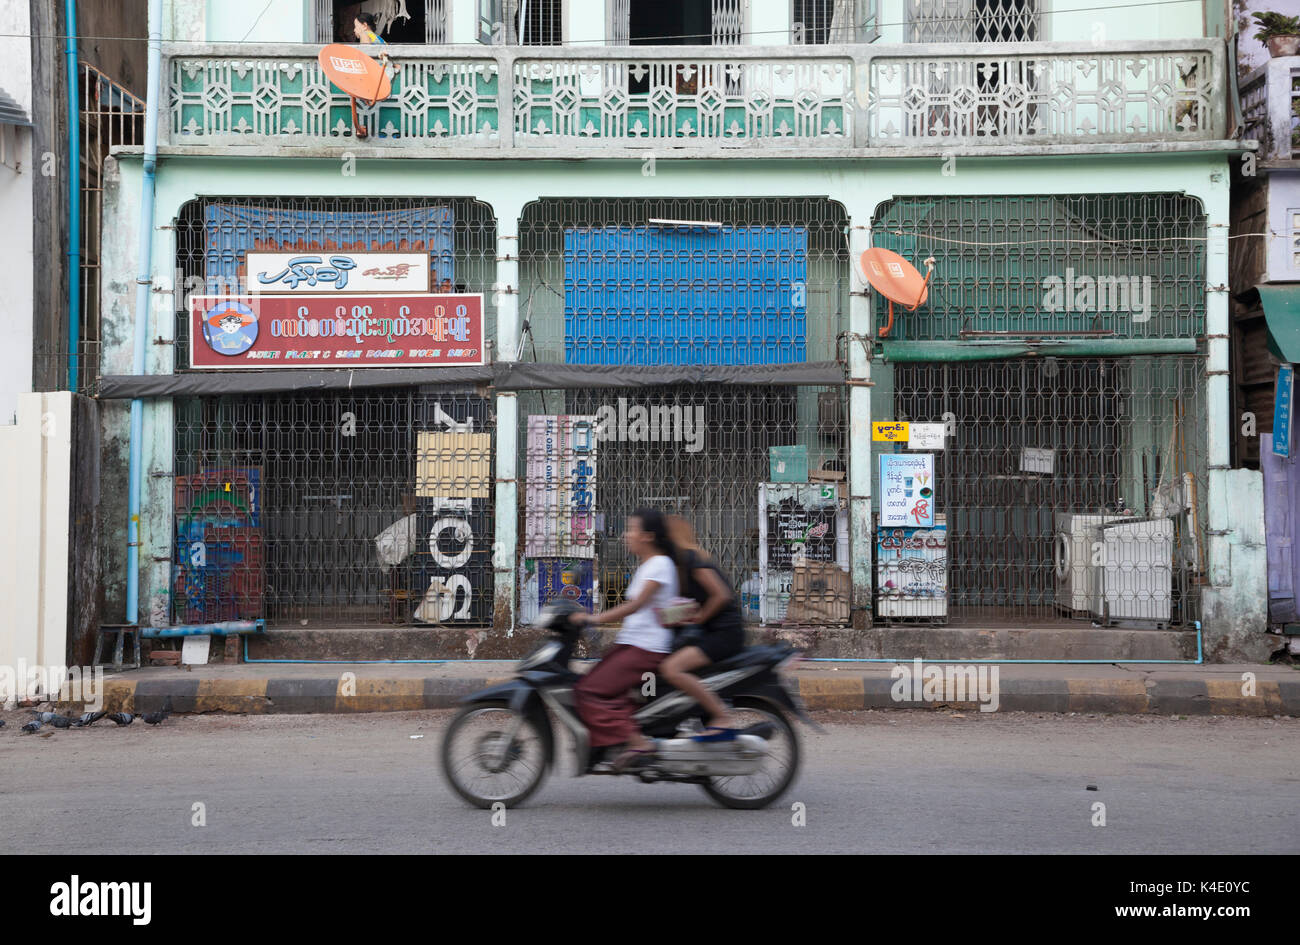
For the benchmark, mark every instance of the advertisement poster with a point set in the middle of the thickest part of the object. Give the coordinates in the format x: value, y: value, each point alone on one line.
x: 907, y: 489
x: 321, y: 331
x: 799, y: 524
x: 912, y: 563
x: 451, y: 565
x: 560, y: 487
x: 352, y: 273
x: 220, y: 565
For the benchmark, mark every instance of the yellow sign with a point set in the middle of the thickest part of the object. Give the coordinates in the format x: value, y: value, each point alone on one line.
x: 891, y: 431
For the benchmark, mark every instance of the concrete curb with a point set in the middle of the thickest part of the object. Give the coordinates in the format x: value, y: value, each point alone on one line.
x: 330, y: 694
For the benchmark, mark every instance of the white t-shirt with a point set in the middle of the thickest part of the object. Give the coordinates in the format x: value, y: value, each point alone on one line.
x: 643, y: 629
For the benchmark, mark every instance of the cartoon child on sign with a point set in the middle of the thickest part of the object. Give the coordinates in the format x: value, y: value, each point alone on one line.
x: 230, y: 328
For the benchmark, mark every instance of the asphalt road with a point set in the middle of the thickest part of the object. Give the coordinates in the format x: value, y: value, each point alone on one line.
x: 877, y: 782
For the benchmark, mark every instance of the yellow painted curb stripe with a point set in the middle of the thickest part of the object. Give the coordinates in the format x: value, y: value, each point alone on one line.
x: 848, y: 692
x: 380, y: 695
x: 1107, y: 695
x: 1226, y: 698
x: 231, y: 695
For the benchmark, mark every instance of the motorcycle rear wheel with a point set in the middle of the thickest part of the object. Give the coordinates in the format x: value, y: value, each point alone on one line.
x: 754, y: 792
x: 476, y: 767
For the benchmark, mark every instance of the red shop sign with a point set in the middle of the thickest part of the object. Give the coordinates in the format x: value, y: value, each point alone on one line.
x: 316, y: 331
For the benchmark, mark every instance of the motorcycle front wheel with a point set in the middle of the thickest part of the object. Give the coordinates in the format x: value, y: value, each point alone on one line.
x: 481, y: 767
x: 780, y: 765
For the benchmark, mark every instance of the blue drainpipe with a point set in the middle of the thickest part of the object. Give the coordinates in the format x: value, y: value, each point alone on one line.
x: 143, y: 285
x: 74, y: 194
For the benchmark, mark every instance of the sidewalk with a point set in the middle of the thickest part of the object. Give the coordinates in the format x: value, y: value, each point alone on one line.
x: 1127, y: 688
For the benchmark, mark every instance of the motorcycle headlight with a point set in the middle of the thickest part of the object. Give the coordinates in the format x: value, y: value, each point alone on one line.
x: 540, y: 656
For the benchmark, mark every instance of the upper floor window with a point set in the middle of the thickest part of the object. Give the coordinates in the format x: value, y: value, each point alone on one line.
x: 396, y: 21
x: 818, y: 22
x: 972, y: 21
x: 521, y: 22
x: 676, y: 22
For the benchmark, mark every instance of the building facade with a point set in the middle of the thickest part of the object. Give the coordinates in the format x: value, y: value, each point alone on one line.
x: 645, y: 224
x: 1265, y: 303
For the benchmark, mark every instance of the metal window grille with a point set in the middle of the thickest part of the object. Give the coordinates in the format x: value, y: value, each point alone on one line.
x: 618, y: 22
x: 972, y: 21
x: 436, y: 20
x: 335, y: 508
x: 1038, y: 451
x: 729, y: 22
x: 541, y: 23
x: 706, y: 467
x: 110, y: 116
x: 818, y: 22
x: 473, y: 238
x: 1104, y: 265
x: 543, y: 264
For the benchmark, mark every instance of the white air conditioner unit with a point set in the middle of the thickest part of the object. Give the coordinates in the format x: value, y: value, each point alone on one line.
x: 1077, y: 551
x: 1135, y: 582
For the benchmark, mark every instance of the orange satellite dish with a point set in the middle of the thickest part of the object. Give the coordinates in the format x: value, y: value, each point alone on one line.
x: 355, y: 73
x: 896, y: 279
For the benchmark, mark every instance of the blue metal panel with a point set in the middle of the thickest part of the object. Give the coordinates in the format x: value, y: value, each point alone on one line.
x: 649, y: 295
x: 231, y: 231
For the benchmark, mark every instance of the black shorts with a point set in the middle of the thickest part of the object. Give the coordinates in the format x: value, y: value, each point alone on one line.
x: 718, y: 644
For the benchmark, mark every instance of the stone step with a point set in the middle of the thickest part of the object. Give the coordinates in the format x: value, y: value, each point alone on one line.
x: 893, y: 643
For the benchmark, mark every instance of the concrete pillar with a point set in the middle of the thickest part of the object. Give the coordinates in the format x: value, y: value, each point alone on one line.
x: 860, y: 457
x: 1234, y: 604
x: 505, y: 294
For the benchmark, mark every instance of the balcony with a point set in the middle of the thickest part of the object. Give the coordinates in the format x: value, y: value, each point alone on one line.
x: 1270, y: 107
x: 707, y: 100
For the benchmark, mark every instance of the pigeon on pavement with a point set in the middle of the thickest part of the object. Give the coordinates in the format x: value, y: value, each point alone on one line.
x: 32, y: 726
x: 90, y: 718
x: 153, y: 718
x: 61, y: 721
x: 121, y: 718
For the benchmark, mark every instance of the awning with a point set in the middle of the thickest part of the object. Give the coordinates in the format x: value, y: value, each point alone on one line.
x: 1282, y: 315
x: 503, y: 375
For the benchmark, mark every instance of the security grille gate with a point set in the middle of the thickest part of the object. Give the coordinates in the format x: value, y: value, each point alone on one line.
x: 1072, y: 487
x: 338, y: 509
x: 659, y: 283
x: 335, y: 509
x: 1071, y: 265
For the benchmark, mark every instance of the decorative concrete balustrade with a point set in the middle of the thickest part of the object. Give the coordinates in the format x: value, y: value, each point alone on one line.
x: 702, y: 99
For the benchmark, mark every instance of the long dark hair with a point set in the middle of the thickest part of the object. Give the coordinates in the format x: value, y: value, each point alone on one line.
x: 654, y: 522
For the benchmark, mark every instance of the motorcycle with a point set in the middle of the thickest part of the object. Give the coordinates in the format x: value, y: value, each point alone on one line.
x: 499, y: 746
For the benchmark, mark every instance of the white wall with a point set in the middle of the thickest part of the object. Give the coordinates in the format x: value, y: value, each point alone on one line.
x: 16, y: 211
x: 35, y: 468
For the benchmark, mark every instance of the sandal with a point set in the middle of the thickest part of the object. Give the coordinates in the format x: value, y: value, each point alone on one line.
x: 720, y: 734
x: 633, y: 758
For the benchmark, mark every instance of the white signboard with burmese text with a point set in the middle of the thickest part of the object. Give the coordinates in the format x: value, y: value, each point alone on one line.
x: 345, y: 273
